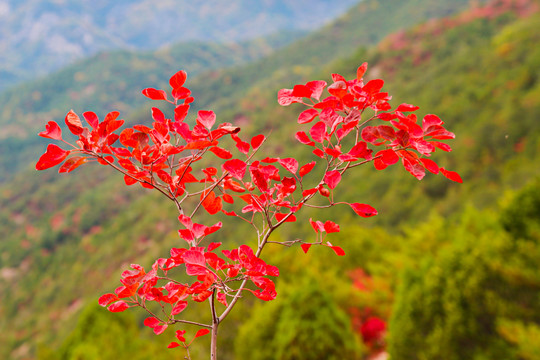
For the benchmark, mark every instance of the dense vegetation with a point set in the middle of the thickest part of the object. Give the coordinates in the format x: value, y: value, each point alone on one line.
x: 470, y: 254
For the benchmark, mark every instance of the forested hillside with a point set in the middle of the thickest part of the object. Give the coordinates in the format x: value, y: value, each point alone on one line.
x: 95, y: 83
x: 478, y: 71
x: 25, y: 107
x: 40, y: 36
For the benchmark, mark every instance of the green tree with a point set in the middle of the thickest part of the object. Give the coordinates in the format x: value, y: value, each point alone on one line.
x: 303, y: 323
x: 99, y: 336
x: 478, y: 297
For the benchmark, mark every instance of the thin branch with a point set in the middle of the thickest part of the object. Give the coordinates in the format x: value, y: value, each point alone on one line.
x: 288, y: 243
x: 174, y: 321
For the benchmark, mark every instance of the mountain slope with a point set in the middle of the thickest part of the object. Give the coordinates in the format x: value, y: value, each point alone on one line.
x: 37, y: 36
x: 479, y: 72
x: 86, y: 85
x: 110, y: 80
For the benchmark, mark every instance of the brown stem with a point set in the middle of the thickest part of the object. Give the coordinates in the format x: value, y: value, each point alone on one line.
x: 214, y: 330
x: 213, y: 346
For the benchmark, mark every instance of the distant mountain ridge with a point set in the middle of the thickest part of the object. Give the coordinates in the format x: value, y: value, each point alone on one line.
x: 38, y: 36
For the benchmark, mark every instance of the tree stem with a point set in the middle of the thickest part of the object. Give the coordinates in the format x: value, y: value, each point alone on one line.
x: 215, y: 324
x: 213, y: 346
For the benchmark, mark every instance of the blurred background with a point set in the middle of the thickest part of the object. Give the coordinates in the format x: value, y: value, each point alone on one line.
x: 445, y: 271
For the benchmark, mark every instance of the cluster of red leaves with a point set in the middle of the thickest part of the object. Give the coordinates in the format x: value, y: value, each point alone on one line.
x: 213, y: 275
x: 341, y: 113
x: 265, y: 192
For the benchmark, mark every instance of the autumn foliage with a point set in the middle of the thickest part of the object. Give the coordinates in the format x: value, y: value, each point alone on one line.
x: 218, y: 171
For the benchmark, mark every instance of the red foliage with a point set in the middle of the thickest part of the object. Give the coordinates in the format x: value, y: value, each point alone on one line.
x: 163, y: 157
x: 372, y: 330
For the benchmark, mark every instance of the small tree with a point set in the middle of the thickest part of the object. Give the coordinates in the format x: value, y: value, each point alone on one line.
x: 303, y: 324
x: 264, y: 191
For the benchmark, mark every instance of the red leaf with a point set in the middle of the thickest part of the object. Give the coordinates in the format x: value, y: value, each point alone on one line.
x: 180, y: 112
x: 413, y: 166
x: 280, y: 217
x: 180, y: 335
x: 289, y: 164
x: 373, y: 86
x: 256, y: 141
x: 236, y: 167
x: 106, y: 299
x: 339, y: 251
x: 407, y: 107
x: 307, y: 116
x: 370, y: 134
x: 361, y: 71
x: 386, y: 116
x: 452, y: 175
x: 154, y: 94
x: 199, y: 144
x: 363, y: 210
x: 360, y: 150
x: 202, y: 332
x: 331, y: 227
x: 207, y: 118
x: 72, y: 163
x: 379, y: 164
x: 389, y: 156
x: 319, y: 153
x: 303, y: 138
x: 179, y: 307
x: 430, y: 120
x: 173, y: 344
x: 318, y: 132
x: 181, y: 93
x: 317, y: 225
x: 332, y: 152
x: 151, y: 322
x: 430, y: 165
x: 52, y: 157
x: 304, y: 170
x: 301, y: 91
x: 386, y: 132
x: 332, y: 178
x: 212, y: 229
x: 118, y: 306
x: 241, y: 145
x: 337, y: 77
x: 286, y: 98
x: 74, y: 123
x: 211, y: 203
x: 160, y: 329
x: 442, y: 146
x: 52, y: 131
x: 177, y: 80
x: 309, y: 192
x: 317, y: 88
x: 111, y: 116
x: 91, y: 118
x: 214, y: 245
x: 338, y: 89
x: 158, y: 115
x: 129, y: 180
x: 305, y: 247
x: 221, y: 153
x: 195, y: 262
